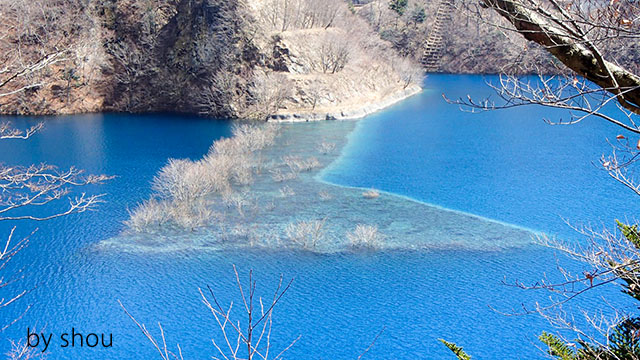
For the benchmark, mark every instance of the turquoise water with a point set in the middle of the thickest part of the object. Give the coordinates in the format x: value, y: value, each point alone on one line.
x: 505, y: 165
x: 436, y: 277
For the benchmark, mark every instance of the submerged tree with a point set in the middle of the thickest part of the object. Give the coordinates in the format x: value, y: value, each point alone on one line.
x: 584, y: 36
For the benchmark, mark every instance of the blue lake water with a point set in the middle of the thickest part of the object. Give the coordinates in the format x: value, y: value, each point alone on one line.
x: 507, y: 166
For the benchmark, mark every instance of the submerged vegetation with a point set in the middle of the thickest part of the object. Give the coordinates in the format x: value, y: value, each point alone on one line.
x: 219, y: 190
x: 184, y: 190
x: 270, y: 198
x: 365, y: 237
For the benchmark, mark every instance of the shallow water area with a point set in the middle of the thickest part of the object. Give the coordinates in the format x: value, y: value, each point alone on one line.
x: 404, y: 224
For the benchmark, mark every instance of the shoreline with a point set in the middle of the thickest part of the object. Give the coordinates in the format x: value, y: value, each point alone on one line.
x: 339, y: 112
x: 344, y: 112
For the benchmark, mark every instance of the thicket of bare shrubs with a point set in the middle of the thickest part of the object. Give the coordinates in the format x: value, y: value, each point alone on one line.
x: 365, y: 237
x: 189, y: 56
x: 211, y: 57
x: 283, y: 15
x: 330, y: 55
x: 232, y: 193
x: 183, y: 188
x: 470, y: 45
x: 472, y: 42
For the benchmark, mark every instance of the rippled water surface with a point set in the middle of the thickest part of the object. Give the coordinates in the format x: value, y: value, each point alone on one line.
x: 459, y: 193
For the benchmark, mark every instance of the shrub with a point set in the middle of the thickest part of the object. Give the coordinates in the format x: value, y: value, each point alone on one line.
x: 365, y: 237
x: 150, y: 213
x: 181, y: 187
x: 278, y: 176
x: 297, y: 164
x: 306, y: 234
x: 183, y: 180
x: 286, y: 191
x: 191, y: 214
x: 371, y: 194
x: 326, y: 147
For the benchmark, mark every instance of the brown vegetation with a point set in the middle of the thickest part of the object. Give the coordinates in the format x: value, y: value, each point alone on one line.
x: 211, y: 57
x: 183, y: 189
x: 472, y: 41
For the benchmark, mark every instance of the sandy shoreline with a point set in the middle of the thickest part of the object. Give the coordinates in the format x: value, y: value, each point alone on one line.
x: 346, y: 111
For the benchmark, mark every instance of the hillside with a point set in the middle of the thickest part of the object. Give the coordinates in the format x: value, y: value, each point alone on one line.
x: 476, y: 40
x: 284, y: 59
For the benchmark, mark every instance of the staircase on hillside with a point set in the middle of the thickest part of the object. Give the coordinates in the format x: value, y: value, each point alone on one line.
x: 434, y: 44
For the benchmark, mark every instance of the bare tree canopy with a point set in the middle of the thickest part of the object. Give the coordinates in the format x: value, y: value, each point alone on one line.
x: 571, y: 32
x: 33, y: 193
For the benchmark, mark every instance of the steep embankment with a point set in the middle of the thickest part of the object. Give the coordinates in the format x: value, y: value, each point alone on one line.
x: 268, y: 58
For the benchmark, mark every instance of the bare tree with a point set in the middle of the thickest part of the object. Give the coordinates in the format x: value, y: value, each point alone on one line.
x: 409, y: 73
x: 28, y: 193
x: 286, y: 15
x: 269, y: 92
x: 580, y: 36
x: 37, y: 44
x: 248, y: 337
x: 334, y: 54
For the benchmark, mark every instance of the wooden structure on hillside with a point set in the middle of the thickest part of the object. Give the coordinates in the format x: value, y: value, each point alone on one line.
x: 433, y: 46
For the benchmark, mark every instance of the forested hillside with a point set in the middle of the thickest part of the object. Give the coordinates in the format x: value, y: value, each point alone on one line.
x: 476, y: 40
x: 284, y: 59
x: 213, y: 57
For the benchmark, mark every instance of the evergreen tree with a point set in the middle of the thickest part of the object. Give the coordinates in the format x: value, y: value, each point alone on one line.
x: 418, y: 15
x: 399, y: 6
x: 624, y: 340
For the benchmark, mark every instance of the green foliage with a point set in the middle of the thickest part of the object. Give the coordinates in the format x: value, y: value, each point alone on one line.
x: 351, y: 7
x: 625, y: 341
x: 630, y: 274
x: 399, y: 6
x: 630, y: 233
x: 457, y: 350
x: 557, y: 347
x: 418, y: 15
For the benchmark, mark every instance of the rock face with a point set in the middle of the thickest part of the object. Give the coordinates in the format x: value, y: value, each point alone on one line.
x: 212, y: 57
x: 186, y: 56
